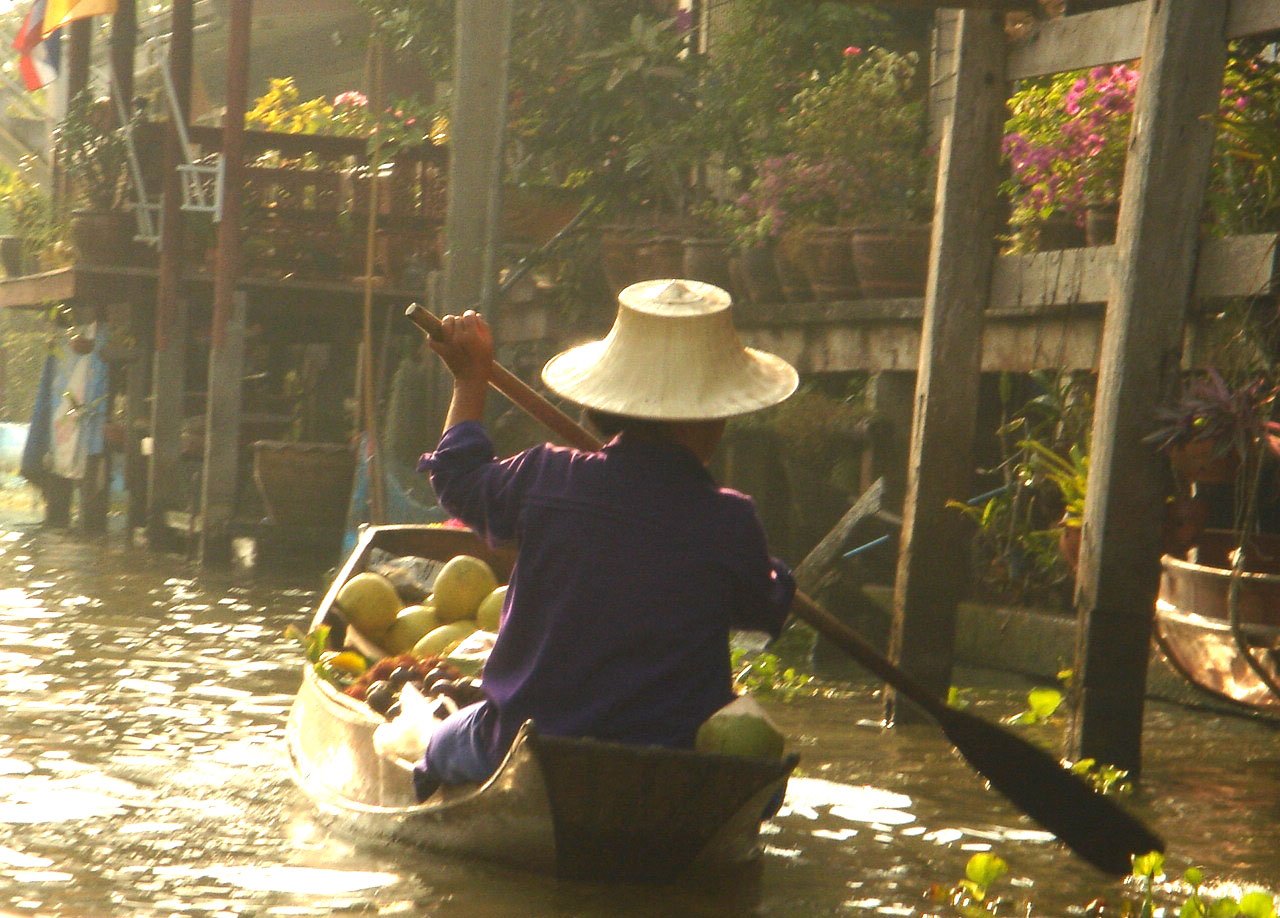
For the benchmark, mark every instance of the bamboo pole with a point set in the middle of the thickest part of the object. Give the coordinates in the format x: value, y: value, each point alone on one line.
x: 368, y: 372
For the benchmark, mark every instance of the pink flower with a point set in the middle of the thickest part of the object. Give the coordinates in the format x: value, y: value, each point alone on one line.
x: 350, y: 98
x: 852, y: 51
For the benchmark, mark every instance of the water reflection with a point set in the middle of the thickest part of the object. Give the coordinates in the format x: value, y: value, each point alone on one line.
x: 142, y: 772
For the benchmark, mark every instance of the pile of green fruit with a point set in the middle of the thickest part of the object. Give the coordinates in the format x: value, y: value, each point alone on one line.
x: 466, y: 597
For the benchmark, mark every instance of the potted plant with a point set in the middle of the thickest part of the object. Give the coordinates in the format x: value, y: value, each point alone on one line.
x: 866, y: 124
x: 27, y: 211
x: 804, y: 206
x: 1069, y: 475
x: 93, y: 155
x: 1214, y: 428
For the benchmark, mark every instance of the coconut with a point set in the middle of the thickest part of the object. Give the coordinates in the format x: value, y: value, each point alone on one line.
x: 741, y: 728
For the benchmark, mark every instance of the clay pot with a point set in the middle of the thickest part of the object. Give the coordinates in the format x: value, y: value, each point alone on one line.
x: 892, y: 261
x: 825, y: 255
x: 1204, y: 461
x: 1059, y: 232
x: 707, y: 260
x: 756, y: 273
x: 1069, y: 544
x: 1100, y: 224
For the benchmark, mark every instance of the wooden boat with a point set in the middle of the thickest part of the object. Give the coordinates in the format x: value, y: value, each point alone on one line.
x: 1232, y: 657
x: 576, y: 808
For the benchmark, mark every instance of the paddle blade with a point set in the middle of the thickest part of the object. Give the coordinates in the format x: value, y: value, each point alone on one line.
x: 1093, y: 826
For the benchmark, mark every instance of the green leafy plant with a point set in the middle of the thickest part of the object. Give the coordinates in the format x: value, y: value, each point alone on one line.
x: 1042, y: 704
x: 1105, y: 778
x: 765, y: 674
x: 93, y: 152
x: 866, y: 125
x: 27, y: 210
x: 971, y: 896
x: 1069, y: 474
x: 1017, y: 544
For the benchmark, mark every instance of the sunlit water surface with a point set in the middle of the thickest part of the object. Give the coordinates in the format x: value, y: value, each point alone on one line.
x: 143, y: 772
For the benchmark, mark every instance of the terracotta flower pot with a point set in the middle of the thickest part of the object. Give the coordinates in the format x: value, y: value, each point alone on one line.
x: 102, y: 236
x: 1059, y: 232
x: 1069, y: 538
x: 892, y: 261
x: 707, y: 260
x: 825, y: 255
x: 1204, y: 461
x: 792, y: 280
x: 756, y: 273
x: 1100, y: 224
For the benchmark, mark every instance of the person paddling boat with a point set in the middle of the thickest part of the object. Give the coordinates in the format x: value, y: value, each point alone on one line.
x: 633, y: 564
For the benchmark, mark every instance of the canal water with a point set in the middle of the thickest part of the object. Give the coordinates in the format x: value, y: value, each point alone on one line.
x: 143, y: 772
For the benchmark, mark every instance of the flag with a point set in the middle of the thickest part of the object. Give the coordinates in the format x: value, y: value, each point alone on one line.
x: 39, y: 54
x: 59, y: 12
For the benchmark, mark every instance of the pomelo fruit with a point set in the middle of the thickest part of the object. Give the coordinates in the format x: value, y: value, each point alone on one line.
x: 741, y: 728
x: 369, y: 602
x: 439, y: 641
x: 411, y: 625
x: 460, y: 586
x: 490, y: 611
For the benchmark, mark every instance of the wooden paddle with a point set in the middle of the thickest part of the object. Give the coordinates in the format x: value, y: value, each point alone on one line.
x: 1093, y: 826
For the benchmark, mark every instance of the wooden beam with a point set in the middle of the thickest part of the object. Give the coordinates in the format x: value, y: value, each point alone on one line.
x: 169, y: 371
x: 933, y: 547
x: 226, y: 353
x: 1252, y: 17
x: 475, y: 152
x: 1163, y: 193
x: 1234, y: 266
x: 1116, y: 34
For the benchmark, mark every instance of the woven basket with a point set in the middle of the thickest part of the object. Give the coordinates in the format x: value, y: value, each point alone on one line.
x: 304, y: 484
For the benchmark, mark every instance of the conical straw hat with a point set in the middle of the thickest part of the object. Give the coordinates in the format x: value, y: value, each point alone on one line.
x: 671, y: 355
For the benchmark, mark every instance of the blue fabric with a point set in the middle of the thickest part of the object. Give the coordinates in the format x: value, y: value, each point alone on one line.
x: 401, y: 507
x: 54, y: 378
x: 633, y: 565
x: 95, y: 423
x: 458, y: 751
x: 39, y: 432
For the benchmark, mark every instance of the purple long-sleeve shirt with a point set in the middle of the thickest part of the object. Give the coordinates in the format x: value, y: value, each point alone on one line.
x: 633, y: 565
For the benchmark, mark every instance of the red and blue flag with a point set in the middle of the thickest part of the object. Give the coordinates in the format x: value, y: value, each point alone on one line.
x: 39, y: 54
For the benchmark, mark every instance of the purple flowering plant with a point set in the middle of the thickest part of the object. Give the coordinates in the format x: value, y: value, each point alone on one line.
x: 1067, y: 135
x: 1065, y: 141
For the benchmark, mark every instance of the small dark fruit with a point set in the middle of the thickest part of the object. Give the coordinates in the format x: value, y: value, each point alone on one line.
x: 380, y: 696
x: 402, y: 674
x: 392, y: 712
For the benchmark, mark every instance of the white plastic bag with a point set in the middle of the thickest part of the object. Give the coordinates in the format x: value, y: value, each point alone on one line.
x: 407, y: 736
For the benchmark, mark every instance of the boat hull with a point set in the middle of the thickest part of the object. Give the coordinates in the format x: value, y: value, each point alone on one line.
x: 576, y: 808
x: 1234, y: 660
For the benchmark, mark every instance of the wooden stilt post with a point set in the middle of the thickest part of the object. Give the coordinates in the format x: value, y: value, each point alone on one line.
x: 169, y: 372
x: 124, y: 36
x: 933, y: 548
x: 1163, y: 193
x: 476, y: 130
x: 226, y: 353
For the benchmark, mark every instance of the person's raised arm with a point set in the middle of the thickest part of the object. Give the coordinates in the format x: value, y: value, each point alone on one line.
x: 466, y: 347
